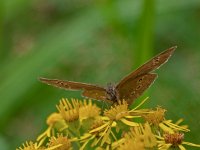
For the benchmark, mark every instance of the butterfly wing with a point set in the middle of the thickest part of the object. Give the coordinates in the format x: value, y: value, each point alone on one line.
x: 98, y: 94
x: 90, y: 91
x: 149, y: 66
x: 134, y: 87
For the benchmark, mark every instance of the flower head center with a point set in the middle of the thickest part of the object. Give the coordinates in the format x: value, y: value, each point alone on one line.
x: 174, y: 139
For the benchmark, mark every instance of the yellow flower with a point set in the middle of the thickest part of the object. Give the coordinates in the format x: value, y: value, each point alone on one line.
x: 174, y: 140
x: 130, y: 144
x: 140, y: 138
x: 102, y: 133
x: 76, y: 109
x: 69, y: 111
x: 168, y: 126
x: 59, y: 143
x: 30, y: 146
x: 96, y: 124
x: 54, y: 121
x: 99, y: 132
x: 53, y: 118
x: 157, y: 119
x: 82, y: 123
x: 88, y: 110
x: 120, y: 113
x: 117, y: 112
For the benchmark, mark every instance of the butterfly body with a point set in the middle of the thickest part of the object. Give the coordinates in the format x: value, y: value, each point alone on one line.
x: 129, y: 88
x: 112, y: 93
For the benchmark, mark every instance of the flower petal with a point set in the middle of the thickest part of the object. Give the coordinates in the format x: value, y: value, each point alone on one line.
x: 129, y: 123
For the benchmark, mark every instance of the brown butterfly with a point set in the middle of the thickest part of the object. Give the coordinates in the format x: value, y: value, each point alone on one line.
x: 129, y: 88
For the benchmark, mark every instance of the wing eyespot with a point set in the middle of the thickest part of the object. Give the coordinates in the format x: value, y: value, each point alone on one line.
x: 156, y: 60
x: 133, y: 93
x: 140, y: 80
x: 60, y: 83
x: 138, y: 87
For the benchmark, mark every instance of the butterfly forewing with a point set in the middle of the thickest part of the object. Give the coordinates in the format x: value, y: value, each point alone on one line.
x: 149, y: 66
x: 70, y: 85
x: 134, y: 87
x: 90, y: 91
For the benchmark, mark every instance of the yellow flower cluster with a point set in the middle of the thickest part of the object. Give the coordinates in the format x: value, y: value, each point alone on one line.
x: 82, y: 125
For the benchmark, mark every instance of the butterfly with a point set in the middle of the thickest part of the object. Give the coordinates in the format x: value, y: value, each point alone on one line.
x: 129, y: 88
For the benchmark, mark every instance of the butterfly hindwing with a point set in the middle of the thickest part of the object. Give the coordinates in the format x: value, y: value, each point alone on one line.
x: 98, y: 94
x: 134, y: 87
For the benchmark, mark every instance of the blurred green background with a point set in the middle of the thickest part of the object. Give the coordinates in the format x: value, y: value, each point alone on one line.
x: 96, y: 42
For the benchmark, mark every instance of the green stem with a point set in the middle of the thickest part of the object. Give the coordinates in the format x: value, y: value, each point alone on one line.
x: 146, y: 32
x: 1, y: 29
x: 145, y: 46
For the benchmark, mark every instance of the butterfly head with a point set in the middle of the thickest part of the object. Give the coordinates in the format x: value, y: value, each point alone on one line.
x: 111, y: 92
